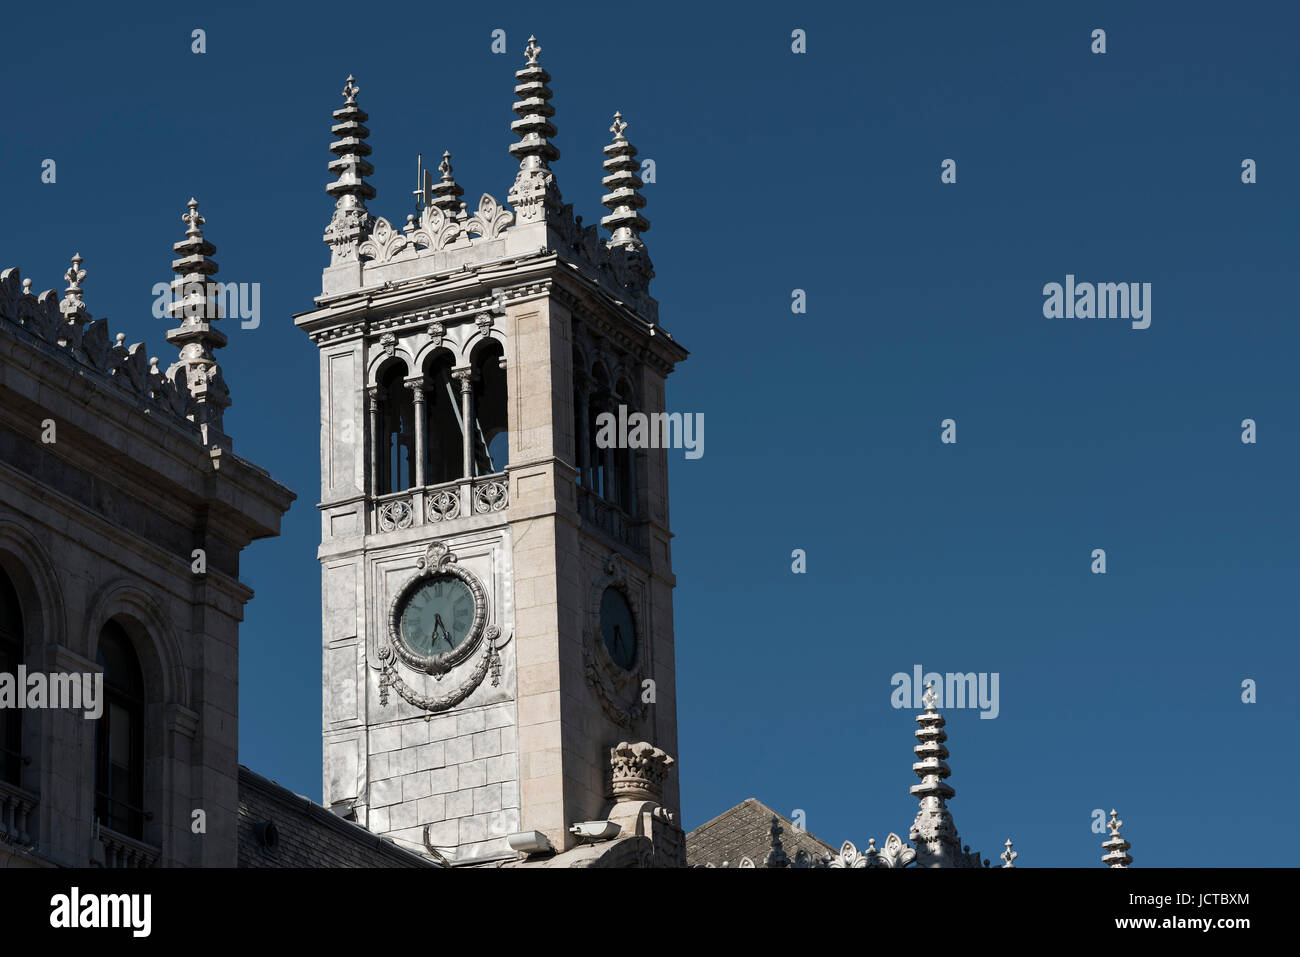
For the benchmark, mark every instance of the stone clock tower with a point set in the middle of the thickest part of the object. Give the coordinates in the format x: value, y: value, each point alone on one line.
x: 497, y: 587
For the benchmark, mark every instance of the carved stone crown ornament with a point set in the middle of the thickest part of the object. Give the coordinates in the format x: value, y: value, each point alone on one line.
x: 638, y: 771
x: 439, y: 564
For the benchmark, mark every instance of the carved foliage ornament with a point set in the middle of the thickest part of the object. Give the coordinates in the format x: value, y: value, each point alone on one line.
x: 435, y: 230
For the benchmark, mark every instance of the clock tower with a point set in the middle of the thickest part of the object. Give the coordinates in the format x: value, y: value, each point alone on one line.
x: 497, y: 584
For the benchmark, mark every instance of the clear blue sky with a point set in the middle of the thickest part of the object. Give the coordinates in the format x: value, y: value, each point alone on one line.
x: 821, y: 172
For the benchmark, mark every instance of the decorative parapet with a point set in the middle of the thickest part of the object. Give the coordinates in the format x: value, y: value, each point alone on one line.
x: 639, y: 772
x: 896, y: 853
x: 434, y: 231
x: 395, y: 514
x: 59, y: 323
x: 610, y: 519
x: 491, y: 495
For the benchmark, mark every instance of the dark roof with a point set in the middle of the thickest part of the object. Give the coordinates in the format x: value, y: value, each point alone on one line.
x: 306, y: 834
x: 745, y: 831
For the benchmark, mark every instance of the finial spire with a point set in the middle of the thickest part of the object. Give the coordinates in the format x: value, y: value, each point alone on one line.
x: 933, y: 831
x: 350, y: 191
x: 447, y: 194
x: 624, y: 202
x: 535, y: 193
x: 71, y: 307
x: 1116, y: 847
x: 776, y: 857
x: 74, y: 275
x: 1008, y: 856
x: 194, y: 303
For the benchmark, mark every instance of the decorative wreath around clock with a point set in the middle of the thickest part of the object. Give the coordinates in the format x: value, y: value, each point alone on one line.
x: 438, y: 572
x: 615, y: 671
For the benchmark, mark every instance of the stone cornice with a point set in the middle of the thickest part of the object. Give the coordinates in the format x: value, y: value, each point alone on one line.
x: 455, y: 295
x: 145, y: 450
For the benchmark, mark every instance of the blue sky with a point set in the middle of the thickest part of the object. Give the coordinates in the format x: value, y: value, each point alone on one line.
x: 819, y: 171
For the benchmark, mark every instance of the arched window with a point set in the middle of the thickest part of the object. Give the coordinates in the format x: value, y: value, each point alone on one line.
x: 397, y: 431
x: 599, y: 402
x: 119, y: 739
x: 622, y: 487
x: 442, y: 444
x: 491, y: 410
x: 11, y: 656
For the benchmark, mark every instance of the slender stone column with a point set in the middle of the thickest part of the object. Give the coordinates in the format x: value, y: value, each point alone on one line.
x: 373, y: 394
x: 465, y: 378
x: 416, y: 386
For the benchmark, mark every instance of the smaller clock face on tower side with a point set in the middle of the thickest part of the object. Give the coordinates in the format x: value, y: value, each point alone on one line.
x: 617, y: 628
x: 438, y: 616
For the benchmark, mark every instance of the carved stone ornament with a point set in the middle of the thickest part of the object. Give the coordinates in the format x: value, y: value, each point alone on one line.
x: 618, y: 689
x: 638, y: 771
x: 388, y: 343
x: 438, y: 561
x: 896, y: 853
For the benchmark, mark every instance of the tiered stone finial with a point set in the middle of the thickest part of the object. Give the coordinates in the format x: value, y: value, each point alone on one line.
x: 74, y: 275
x: 194, y: 303
x: 776, y: 857
x: 1008, y: 856
x: 1117, y: 848
x: 72, y: 308
x: 933, y: 831
x: 625, y: 222
x: 351, y: 219
x: 446, y: 192
x: 535, y: 194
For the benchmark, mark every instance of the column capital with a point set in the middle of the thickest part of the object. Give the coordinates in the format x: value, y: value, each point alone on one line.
x: 416, y: 385
x: 465, y: 376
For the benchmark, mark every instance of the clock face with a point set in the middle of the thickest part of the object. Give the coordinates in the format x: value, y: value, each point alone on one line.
x: 438, y: 616
x: 617, y: 628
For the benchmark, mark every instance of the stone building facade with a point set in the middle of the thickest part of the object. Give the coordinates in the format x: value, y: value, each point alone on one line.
x: 123, y: 512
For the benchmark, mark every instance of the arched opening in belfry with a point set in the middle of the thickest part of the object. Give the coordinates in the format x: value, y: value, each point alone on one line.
x: 11, y: 656
x: 599, y: 397
x: 621, y: 488
x: 491, y: 439
x: 442, y: 444
x: 581, y: 422
x: 396, y: 429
